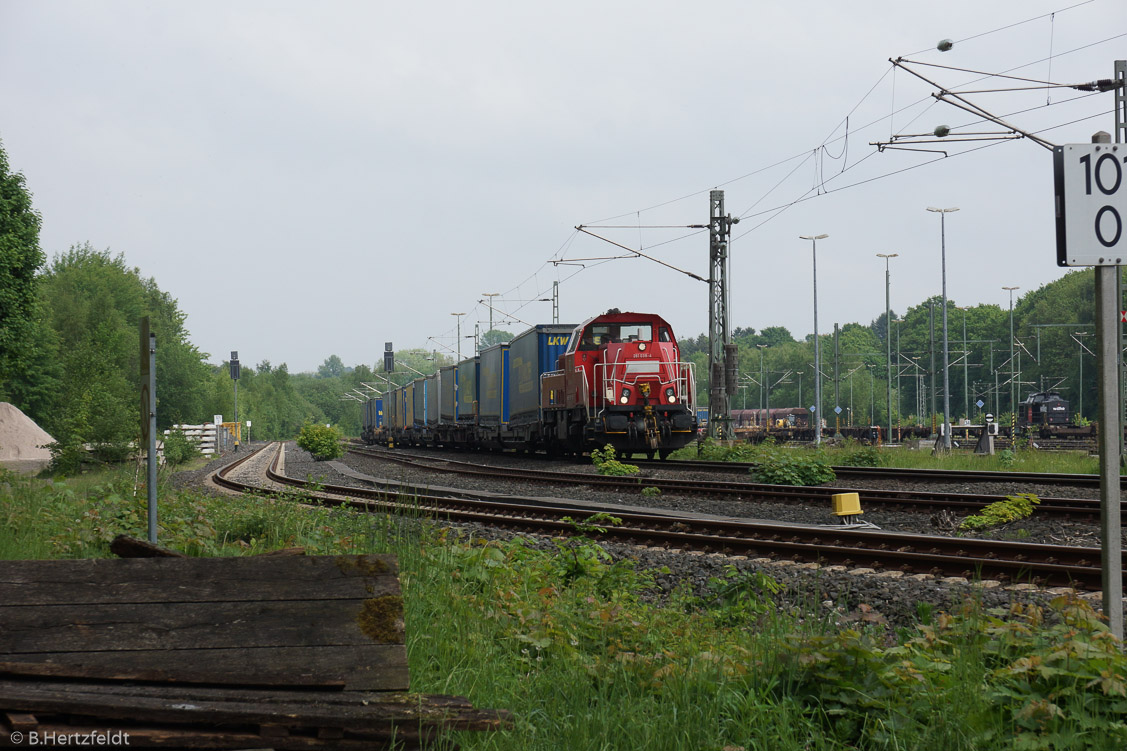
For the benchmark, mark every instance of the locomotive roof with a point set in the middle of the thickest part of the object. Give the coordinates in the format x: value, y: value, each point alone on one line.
x: 614, y: 316
x: 1043, y: 396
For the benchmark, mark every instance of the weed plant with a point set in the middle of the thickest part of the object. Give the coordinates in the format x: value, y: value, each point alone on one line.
x: 606, y: 464
x: 588, y: 653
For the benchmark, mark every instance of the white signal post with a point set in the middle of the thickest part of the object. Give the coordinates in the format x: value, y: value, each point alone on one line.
x: 1091, y: 203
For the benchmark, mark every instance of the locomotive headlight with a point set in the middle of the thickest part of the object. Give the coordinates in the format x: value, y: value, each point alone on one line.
x: 641, y: 346
x: 670, y: 395
x: 625, y: 397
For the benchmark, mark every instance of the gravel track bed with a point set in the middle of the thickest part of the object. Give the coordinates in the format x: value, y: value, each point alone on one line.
x: 841, y: 595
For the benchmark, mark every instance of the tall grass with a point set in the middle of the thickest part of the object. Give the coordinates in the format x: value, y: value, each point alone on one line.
x: 1020, y: 460
x: 577, y: 646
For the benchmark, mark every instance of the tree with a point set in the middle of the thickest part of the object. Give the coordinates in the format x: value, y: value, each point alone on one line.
x: 93, y: 303
x: 495, y: 336
x: 331, y: 368
x: 21, y: 339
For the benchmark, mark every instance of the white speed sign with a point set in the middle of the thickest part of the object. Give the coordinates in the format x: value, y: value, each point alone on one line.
x: 1090, y: 180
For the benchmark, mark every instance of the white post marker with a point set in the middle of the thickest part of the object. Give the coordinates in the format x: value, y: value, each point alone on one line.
x: 1091, y: 207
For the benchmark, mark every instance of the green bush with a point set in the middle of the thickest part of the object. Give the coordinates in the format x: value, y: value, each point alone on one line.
x: 785, y: 467
x: 179, y: 448
x: 321, y: 441
x: 864, y: 457
x: 607, y: 465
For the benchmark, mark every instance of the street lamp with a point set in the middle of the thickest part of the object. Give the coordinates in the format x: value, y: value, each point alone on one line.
x: 489, y: 305
x: 817, y: 348
x: 946, y: 382
x: 1080, y: 390
x: 1013, y: 400
x: 458, y: 318
x: 966, y: 366
x: 762, y: 388
x: 899, y: 391
x: 888, y: 336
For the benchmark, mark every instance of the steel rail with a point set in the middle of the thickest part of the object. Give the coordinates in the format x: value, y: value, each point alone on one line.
x: 745, y: 491
x: 897, y: 473
x: 889, y: 551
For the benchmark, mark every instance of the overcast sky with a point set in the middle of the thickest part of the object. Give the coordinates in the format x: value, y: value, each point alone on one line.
x: 310, y: 179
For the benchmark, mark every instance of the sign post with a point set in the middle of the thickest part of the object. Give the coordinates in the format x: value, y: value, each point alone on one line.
x: 1091, y: 207
x: 149, y: 416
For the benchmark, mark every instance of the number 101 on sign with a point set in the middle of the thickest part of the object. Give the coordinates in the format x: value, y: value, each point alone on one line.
x: 1090, y: 180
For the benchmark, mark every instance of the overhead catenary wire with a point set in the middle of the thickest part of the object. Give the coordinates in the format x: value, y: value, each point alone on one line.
x: 824, y: 185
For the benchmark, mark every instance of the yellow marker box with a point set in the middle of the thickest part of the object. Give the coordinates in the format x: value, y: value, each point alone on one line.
x: 847, y: 504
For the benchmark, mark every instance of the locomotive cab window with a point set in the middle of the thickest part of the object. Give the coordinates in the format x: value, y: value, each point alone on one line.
x: 601, y: 334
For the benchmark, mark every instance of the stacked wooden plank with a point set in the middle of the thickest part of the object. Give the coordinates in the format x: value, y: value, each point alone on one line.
x: 265, y: 651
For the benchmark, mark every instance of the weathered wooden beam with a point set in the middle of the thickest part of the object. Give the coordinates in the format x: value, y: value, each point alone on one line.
x: 355, y: 711
x: 20, y: 721
x: 159, y: 580
x: 124, y: 546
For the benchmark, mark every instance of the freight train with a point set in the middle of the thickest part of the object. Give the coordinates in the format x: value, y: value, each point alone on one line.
x: 615, y: 379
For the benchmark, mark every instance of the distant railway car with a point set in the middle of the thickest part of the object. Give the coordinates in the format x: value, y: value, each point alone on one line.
x: 1043, y: 409
x: 373, y: 419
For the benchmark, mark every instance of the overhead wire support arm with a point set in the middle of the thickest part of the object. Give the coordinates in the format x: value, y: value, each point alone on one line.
x: 586, y: 231
x: 957, y: 100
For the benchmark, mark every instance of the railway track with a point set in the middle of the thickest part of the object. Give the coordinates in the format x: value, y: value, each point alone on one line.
x: 1075, y: 508
x: 860, y: 548
x: 895, y: 473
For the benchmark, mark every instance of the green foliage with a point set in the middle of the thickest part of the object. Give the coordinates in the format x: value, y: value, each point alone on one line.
x: 20, y: 259
x: 179, y: 448
x: 868, y: 456
x: 780, y: 466
x: 93, y: 303
x: 321, y: 441
x: 714, y: 451
x: 606, y: 464
x: 1014, y: 508
x: 1016, y: 676
x: 651, y: 492
x: 741, y: 596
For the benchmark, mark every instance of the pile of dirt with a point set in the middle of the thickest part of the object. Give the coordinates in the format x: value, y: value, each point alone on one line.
x: 22, y: 441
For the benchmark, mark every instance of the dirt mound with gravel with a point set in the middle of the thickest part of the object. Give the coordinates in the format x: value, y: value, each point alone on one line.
x: 22, y: 442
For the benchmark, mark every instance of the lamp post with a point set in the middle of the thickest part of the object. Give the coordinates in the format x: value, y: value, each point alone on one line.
x: 946, y: 382
x: 817, y: 348
x: 966, y: 366
x: 1080, y: 383
x: 763, y: 388
x: 888, y: 335
x: 899, y: 391
x: 489, y: 305
x: 458, y: 318
x: 1013, y: 385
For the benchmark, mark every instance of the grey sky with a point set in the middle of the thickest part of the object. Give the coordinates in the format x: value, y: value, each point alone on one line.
x: 311, y: 179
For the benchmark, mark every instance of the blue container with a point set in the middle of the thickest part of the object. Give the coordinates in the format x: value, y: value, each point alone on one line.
x: 531, y: 354
x: 448, y: 389
x: 468, y: 397
x: 493, y: 394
